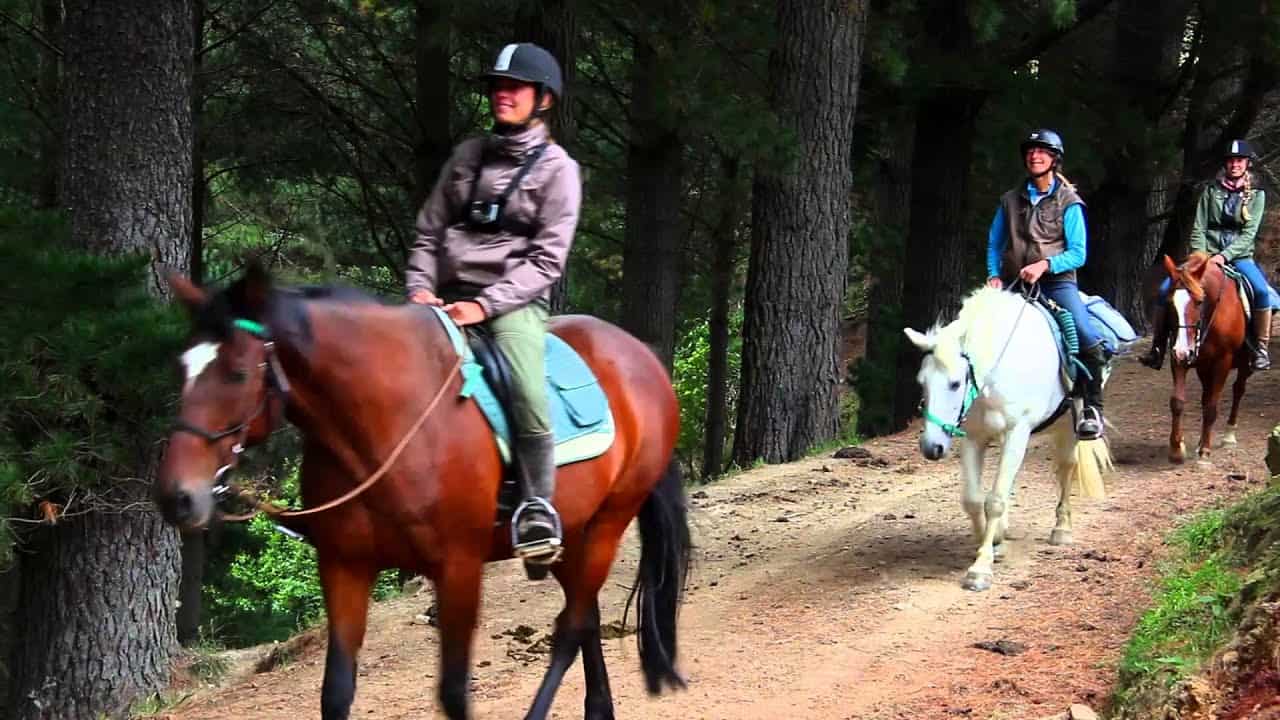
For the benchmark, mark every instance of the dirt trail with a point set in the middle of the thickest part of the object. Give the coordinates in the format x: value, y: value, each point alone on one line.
x: 830, y: 589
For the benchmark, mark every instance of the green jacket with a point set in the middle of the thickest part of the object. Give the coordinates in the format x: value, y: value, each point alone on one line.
x: 1218, y: 233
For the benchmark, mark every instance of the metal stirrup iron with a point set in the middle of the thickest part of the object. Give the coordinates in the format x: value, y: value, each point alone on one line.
x: 543, y: 551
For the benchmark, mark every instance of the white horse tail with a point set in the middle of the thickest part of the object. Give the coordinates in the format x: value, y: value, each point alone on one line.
x: 1093, y: 460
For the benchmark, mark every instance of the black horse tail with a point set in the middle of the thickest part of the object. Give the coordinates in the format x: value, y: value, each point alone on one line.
x: 665, y: 548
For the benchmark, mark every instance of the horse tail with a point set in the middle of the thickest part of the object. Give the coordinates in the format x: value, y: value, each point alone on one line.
x: 1093, y: 460
x: 665, y: 549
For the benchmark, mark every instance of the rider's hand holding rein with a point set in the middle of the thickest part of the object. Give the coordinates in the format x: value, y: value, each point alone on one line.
x: 1031, y: 273
x: 423, y: 296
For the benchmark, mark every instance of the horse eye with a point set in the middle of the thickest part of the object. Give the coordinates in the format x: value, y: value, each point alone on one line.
x: 955, y: 385
x: 238, y: 377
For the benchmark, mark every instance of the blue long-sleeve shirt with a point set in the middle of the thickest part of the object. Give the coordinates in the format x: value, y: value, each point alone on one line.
x: 1072, y: 224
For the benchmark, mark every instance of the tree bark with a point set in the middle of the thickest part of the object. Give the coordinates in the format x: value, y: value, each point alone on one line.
x: 199, y: 185
x: 891, y: 210
x: 791, y: 374
x: 127, y: 135
x: 655, y: 174
x: 936, y: 241
x: 95, y: 622
x: 716, y: 421
x: 51, y: 15
x: 434, y: 96
x: 191, y: 588
x: 1123, y: 234
x: 10, y: 585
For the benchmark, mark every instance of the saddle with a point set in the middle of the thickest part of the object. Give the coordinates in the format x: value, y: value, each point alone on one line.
x: 581, y: 419
x: 1243, y: 287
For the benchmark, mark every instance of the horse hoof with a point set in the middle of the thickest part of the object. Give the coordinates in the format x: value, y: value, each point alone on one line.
x: 1204, y: 463
x: 1229, y: 441
x: 536, y: 571
x: 976, y: 581
x: 1060, y: 537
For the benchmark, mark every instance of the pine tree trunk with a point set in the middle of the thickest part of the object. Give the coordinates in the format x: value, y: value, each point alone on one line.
x: 96, y: 617
x: 1123, y: 237
x: 726, y: 244
x: 791, y: 373
x: 892, y: 213
x: 51, y: 14
x: 190, y: 590
x: 434, y: 96
x: 936, y: 242
x: 10, y: 585
x: 655, y: 172
x: 199, y: 186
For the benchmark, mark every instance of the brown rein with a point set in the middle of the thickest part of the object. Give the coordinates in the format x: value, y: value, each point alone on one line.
x: 275, y: 511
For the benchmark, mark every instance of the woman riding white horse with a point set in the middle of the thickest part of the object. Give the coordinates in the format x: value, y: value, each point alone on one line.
x: 995, y: 373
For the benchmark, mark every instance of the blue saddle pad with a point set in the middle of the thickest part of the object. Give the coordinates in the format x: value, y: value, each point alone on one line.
x: 1116, y: 332
x: 581, y: 419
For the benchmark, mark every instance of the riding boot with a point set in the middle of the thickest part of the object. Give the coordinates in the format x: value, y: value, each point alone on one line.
x: 1089, y: 426
x: 1262, y: 331
x: 536, y: 536
x: 1154, y: 358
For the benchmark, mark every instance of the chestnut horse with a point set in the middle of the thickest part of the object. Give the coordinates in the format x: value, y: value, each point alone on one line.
x: 1205, y: 312
x: 406, y: 474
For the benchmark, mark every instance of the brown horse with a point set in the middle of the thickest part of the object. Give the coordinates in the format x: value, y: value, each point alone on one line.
x: 374, y: 390
x: 1210, y: 327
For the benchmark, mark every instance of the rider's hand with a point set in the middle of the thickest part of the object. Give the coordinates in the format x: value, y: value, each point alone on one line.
x: 1032, y: 272
x: 1218, y: 260
x: 466, y: 312
x: 422, y: 296
x: 995, y: 282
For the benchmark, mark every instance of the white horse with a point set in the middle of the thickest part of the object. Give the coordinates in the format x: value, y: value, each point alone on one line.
x: 995, y: 373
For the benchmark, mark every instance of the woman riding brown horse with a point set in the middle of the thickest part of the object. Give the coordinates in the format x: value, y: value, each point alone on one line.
x: 1205, y: 307
x: 406, y: 474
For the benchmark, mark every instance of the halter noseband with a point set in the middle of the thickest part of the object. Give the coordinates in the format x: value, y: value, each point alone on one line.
x: 971, y: 393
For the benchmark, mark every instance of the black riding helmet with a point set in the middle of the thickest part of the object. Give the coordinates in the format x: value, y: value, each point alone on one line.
x: 1045, y: 138
x: 1239, y: 148
x: 529, y: 63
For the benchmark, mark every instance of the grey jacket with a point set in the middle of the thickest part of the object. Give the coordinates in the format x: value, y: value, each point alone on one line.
x: 504, y: 271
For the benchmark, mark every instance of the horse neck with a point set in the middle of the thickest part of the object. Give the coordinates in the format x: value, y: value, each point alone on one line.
x: 339, y: 376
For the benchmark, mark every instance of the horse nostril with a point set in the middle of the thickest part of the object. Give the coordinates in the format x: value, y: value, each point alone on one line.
x: 182, y: 506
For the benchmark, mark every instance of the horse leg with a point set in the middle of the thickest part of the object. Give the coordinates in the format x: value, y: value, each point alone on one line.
x: 1212, y: 381
x: 971, y: 496
x: 346, y: 601
x: 1177, y: 401
x: 1014, y: 448
x: 1237, y: 393
x: 581, y: 573
x: 1064, y: 465
x: 457, y: 586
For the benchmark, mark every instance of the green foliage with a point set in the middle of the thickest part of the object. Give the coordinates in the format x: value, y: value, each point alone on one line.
x: 85, y: 381
x: 269, y: 588
x: 1223, y: 560
x: 689, y: 377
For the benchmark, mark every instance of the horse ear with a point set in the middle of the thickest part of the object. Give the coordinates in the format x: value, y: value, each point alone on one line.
x: 1170, y: 267
x: 187, y: 292
x: 920, y: 340
x: 256, y: 288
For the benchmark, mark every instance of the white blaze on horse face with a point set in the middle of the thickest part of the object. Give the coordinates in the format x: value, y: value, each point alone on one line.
x: 196, y: 360
x: 1182, y: 343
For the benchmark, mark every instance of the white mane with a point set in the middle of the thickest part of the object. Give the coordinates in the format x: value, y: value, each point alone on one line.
x: 981, y: 330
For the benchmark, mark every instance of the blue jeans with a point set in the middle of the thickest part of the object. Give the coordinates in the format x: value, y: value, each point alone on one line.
x: 1067, y: 294
x: 1264, y: 297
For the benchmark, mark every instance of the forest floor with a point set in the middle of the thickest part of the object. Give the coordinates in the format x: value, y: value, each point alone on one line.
x: 830, y: 588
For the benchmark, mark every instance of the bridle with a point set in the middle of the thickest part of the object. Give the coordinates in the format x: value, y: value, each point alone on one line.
x: 1204, y: 325
x: 278, y: 385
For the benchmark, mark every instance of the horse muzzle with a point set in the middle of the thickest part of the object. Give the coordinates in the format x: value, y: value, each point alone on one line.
x: 932, y: 449
x: 184, y: 509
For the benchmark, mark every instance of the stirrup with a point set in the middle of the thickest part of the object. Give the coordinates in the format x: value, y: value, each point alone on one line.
x: 1152, y: 359
x: 1261, y: 360
x: 1089, y: 415
x: 542, y: 551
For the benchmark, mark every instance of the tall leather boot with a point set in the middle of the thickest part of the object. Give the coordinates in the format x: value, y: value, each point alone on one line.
x: 1262, y: 331
x: 536, y: 531
x: 1089, y: 426
x: 1154, y: 358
